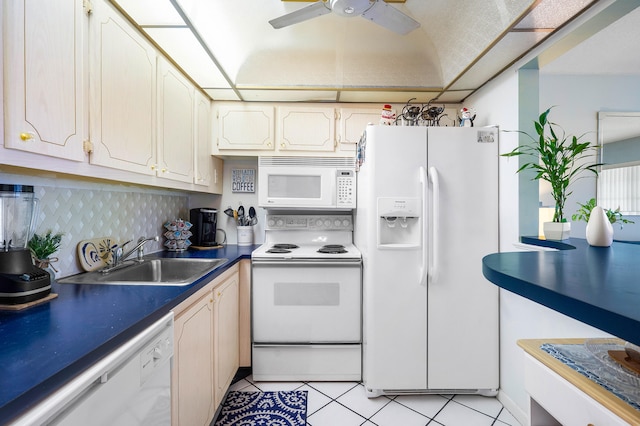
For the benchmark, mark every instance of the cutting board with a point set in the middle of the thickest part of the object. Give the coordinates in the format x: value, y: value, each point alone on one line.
x: 95, y: 253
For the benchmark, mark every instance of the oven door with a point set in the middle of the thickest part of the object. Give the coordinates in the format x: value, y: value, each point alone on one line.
x: 306, y: 301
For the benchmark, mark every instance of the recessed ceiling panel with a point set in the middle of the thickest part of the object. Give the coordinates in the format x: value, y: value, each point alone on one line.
x: 505, y: 52
x: 385, y: 97
x: 454, y: 96
x: 288, y: 95
x: 181, y: 45
x: 552, y: 14
x: 151, y: 12
x: 222, y: 94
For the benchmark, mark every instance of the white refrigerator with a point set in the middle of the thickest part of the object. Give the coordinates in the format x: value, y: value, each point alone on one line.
x: 427, y: 213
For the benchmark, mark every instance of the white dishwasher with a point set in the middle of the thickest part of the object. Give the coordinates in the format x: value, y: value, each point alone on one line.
x: 130, y: 386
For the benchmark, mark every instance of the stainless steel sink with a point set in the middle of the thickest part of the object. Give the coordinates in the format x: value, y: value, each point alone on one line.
x: 170, y: 271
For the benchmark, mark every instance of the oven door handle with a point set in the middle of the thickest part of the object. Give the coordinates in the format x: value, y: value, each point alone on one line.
x: 320, y: 263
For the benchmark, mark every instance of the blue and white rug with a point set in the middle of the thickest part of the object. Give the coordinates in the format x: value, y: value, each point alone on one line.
x: 264, y: 409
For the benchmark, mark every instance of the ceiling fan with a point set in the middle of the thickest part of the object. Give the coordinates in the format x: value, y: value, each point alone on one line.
x: 376, y: 11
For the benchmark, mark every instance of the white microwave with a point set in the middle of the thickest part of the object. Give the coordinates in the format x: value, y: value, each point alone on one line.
x: 306, y: 183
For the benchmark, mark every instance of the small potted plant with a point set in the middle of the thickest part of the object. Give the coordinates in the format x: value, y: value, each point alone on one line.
x: 44, y: 246
x: 558, y: 159
x: 584, y: 213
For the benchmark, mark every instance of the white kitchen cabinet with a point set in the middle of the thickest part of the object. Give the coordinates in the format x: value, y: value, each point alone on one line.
x: 202, y: 161
x: 192, y: 382
x: 246, y: 127
x: 352, y: 123
x: 225, y: 334
x: 205, y: 350
x: 308, y: 129
x: 44, y: 77
x: 176, y: 124
x: 122, y: 94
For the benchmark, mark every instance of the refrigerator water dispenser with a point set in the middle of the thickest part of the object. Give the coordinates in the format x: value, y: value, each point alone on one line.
x: 399, y: 223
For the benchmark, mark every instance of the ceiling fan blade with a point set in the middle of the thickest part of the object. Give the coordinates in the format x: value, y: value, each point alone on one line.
x: 314, y: 10
x: 390, y: 18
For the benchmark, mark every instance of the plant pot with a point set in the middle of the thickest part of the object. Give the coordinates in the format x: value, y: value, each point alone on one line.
x: 556, y: 230
x: 599, y: 229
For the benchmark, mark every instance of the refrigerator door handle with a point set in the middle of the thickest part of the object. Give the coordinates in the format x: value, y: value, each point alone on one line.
x: 435, y: 215
x: 423, y: 265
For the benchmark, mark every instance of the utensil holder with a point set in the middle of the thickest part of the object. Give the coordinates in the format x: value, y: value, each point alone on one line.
x: 245, y: 235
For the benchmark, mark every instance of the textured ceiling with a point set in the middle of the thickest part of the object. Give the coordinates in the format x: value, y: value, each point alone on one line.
x: 228, y: 48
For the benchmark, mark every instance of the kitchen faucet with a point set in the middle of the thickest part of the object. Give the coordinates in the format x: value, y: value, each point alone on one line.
x: 117, y: 255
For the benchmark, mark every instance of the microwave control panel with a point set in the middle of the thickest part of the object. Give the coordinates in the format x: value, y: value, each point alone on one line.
x: 346, y: 189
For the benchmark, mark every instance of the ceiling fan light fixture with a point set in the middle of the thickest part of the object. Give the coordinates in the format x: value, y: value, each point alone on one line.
x: 350, y: 8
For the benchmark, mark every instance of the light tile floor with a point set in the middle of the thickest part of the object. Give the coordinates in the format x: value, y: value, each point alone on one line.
x: 345, y: 404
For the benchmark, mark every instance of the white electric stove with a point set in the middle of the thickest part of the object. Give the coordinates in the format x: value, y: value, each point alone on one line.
x: 307, y: 299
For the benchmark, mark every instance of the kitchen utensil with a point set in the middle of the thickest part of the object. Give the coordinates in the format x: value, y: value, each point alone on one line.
x: 229, y: 212
x: 241, y: 215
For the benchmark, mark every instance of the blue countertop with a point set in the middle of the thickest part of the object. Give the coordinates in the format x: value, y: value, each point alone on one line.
x: 599, y: 286
x: 44, y: 346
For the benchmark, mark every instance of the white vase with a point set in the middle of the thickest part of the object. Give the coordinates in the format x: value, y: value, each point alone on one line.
x: 556, y: 230
x: 599, y: 229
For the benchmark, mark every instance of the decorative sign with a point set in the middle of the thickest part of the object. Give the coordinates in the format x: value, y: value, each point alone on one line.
x: 243, y: 180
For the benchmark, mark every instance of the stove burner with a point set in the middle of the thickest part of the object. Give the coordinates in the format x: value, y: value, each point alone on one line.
x: 284, y: 246
x: 332, y: 249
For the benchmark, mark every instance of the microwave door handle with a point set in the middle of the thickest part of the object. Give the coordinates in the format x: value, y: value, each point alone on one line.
x: 424, y: 189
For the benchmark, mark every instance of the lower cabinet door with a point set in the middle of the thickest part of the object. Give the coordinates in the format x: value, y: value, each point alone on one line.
x: 225, y: 332
x: 192, y: 375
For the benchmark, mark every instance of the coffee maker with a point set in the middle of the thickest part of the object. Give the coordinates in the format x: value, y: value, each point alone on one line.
x: 20, y: 280
x: 205, y: 223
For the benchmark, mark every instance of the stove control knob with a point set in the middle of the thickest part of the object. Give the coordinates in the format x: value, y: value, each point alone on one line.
x: 280, y: 222
x: 345, y: 223
x: 327, y: 223
x: 336, y: 223
x: 271, y: 222
x: 319, y: 223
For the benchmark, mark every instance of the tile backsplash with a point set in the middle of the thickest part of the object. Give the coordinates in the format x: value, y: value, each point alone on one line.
x: 83, y: 210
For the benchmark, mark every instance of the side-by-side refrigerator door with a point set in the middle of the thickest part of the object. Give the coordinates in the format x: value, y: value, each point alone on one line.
x: 462, y: 304
x: 389, y: 229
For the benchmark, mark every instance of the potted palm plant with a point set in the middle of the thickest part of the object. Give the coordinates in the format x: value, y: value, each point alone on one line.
x: 558, y: 159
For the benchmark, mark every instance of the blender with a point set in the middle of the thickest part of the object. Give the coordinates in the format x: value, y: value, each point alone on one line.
x: 20, y: 280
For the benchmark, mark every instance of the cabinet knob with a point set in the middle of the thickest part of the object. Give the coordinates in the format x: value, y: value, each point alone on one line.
x: 25, y: 136
x: 153, y: 167
x: 282, y: 145
x: 163, y: 170
x: 268, y: 143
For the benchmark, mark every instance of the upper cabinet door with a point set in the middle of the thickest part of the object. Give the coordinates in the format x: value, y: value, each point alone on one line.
x: 203, y: 158
x: 248, y: 127
x: 44, y: 78
x: 306, y: 129
x: 353, y: 122
x: 122, y: 92
x: 175, y: 124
